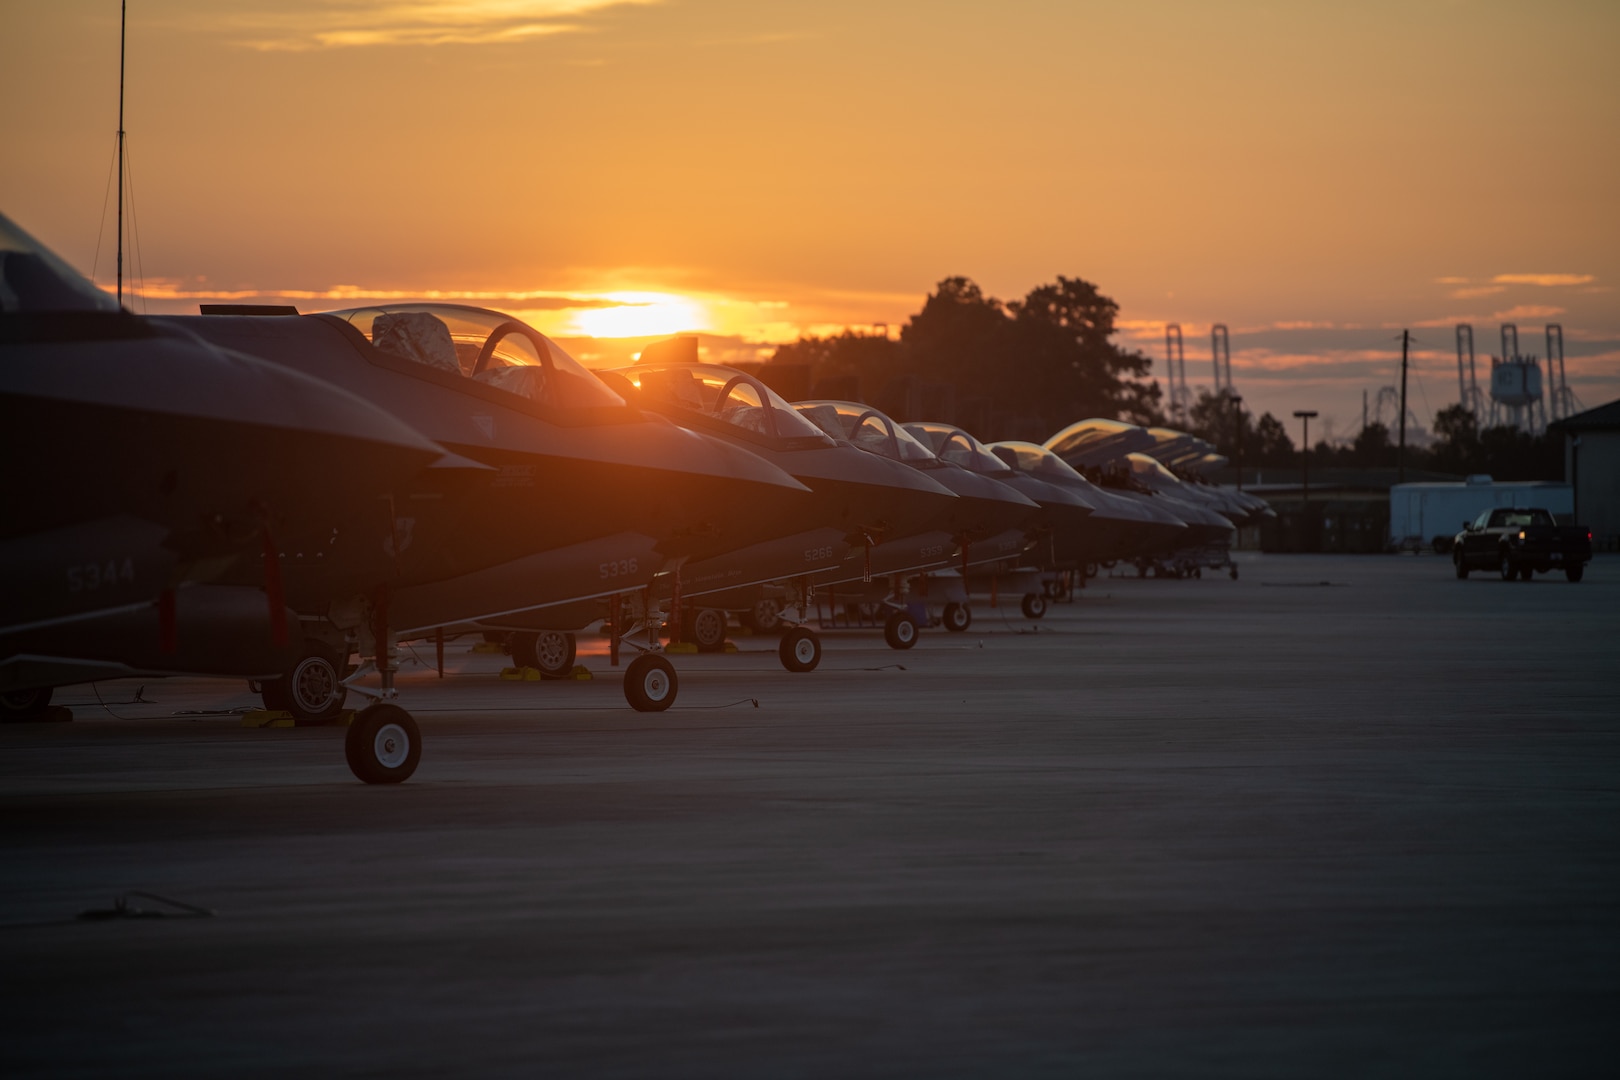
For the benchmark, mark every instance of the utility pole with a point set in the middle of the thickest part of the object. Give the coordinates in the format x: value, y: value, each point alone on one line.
x: 123, y: 16
x: 1400, y: 457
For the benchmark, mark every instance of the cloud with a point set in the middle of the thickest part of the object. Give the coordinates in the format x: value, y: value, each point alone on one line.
x: 1528, y: 311
x: 1476, y: 291
x: 339, y: 24
x: 1544, y: 280
x: 164, y: 289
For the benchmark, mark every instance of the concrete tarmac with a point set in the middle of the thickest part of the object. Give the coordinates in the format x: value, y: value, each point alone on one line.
x: 1342, y: 816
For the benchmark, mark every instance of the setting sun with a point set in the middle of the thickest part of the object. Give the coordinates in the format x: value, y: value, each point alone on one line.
x: 641, y: 314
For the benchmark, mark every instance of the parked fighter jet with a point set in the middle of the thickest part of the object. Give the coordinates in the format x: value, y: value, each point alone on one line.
x: 861, y: 499
x: 984, y: 509
x: 1123, y: 528
x: 156, y: 477
x: 581, y: 496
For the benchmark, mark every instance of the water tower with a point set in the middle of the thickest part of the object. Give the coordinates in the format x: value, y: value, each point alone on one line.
x: 1516, y: 398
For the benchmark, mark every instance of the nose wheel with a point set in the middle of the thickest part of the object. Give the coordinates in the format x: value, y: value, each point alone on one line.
x: 650, y: 684
x: 900, y: 631
x: 800, y: 649
x: 383, y: 744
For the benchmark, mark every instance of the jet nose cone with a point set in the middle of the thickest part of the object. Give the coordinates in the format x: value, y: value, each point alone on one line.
x: 984, y: 507
x: 904, y: 501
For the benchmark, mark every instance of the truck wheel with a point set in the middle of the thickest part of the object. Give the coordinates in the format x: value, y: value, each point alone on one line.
x: 1526, y: 573
x: 1574, y: 573
x: 1507, y: 569
x: 1462, y: 567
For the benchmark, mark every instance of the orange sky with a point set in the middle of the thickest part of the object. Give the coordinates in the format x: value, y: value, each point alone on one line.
x: 1315, y: 175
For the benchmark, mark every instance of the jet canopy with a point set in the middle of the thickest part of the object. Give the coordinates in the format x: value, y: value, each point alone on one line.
x: 33, y: 279
x: 723, y: 395
x: 1038, y: 461
x: 868, y: 429
x: 956, y: 446
x: 1152, y: 474
x: 1097, y: 442
x: 486, y: 347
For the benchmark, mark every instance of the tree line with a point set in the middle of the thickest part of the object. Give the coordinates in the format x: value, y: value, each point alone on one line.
x: 1461, y: 447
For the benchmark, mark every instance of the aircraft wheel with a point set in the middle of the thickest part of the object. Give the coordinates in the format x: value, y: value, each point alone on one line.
x: 706, y: 628
x: 650, y: 683
x: 1507, y: 569
x: 1462, y: 567
x: 1574, y: 573
x: 1033, y: 606
x: 763, y: 617
x: 21, y: 706
x: 900, y: 631
x: 800, y: 649
x: 957, y: 618
x: 383, y: 745
x: 312, y: 689
x: 550, y: 652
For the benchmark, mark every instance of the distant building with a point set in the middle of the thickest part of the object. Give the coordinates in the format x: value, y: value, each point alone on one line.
x: 1592, y: 468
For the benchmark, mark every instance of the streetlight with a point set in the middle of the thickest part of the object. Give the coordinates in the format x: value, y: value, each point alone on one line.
x: 1237, y: 406
x: 1305, y: 481
x: 1305, y: 451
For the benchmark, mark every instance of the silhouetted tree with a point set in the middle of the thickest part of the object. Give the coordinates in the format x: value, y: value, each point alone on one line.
x: 1023, y: 369
x: 1272, y: 446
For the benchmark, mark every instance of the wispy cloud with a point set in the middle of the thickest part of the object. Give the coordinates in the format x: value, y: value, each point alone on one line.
x: 339, y: 24
x: 1528, y: 311
x: 1474, y: 292
x: 1545, y: 280
x: 160, y: 289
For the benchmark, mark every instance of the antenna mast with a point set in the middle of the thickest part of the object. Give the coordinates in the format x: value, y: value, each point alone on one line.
x: 123, y: 12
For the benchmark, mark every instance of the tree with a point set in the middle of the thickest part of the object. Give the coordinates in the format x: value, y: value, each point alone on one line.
x: 1272, y: 446
x: 1372, y: 447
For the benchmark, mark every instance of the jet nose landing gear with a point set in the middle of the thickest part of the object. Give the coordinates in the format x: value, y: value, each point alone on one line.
x: 383, y: 745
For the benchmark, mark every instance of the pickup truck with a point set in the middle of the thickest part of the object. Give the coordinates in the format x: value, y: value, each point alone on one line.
x: 1519, y: 542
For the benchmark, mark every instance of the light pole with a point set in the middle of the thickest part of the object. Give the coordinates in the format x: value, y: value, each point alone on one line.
x: 1237, y: 410
x: 1305, y: 471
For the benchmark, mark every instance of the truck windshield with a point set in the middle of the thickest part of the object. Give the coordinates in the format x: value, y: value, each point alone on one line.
x: 1518, y: 519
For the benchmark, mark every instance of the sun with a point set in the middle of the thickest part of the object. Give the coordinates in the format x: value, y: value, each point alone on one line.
x: 641, y: 314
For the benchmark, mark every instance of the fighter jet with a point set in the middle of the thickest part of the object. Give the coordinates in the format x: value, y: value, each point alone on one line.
x: 154, y: 478
x: 984, y: 509
x: 577, y: 495
x: 1122, y: 528
x: 861, y: 499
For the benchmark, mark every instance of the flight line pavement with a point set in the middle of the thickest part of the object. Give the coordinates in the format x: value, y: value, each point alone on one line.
x: 1344, y: 815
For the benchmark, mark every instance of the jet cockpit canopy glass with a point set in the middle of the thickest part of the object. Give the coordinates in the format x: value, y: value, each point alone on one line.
x: 956, y: 446
x: 33, y: 279
x: 868, y: 429
x: 1035, y: 460
x: 1152, y: 474
x: 486, y: 347
x: 726, y: 395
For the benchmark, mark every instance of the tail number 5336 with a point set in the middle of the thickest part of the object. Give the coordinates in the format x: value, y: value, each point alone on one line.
x: 617, y: 569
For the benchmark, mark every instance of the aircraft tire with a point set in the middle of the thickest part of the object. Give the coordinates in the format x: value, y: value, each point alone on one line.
x: 312, y: 689
x: 550, y: 652
x: 800, y: 649
x: 900, y: 631
x: 706, y: 628
x: 650, y: 684
x: 956, y: 618
x: 1033, y: 606
x: 383, y: 744
x: 21, y: 706
x: 764, y: 617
